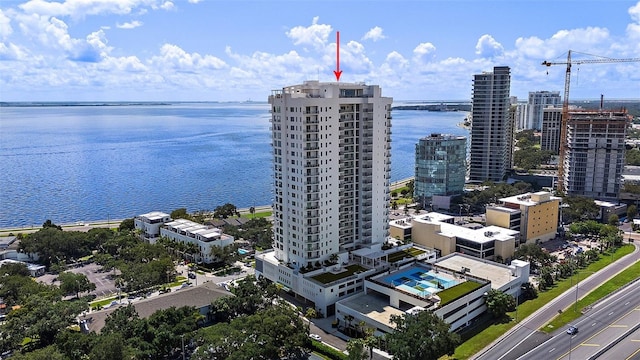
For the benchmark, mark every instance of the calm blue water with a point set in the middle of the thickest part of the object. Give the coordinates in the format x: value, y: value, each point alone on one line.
x: 82, y: 163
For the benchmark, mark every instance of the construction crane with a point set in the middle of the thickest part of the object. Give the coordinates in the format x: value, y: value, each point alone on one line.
x: 565, y: 103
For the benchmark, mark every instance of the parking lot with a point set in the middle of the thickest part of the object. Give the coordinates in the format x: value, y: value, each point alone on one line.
x: 105, y: 286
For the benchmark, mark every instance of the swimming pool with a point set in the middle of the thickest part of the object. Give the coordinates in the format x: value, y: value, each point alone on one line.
x: 419, y: 281
x: 242, y: 251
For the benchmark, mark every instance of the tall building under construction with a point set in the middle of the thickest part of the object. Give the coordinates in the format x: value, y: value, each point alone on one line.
x: 595, y: 153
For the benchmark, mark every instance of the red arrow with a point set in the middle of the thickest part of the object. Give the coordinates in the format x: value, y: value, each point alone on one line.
x: 337, y: 71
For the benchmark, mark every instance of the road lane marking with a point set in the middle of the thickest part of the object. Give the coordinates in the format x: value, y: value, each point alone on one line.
x: 611, y: 313
x: 619, y: 326
x: 632, y: 355
x: 592, y: 345
x: 552, y: 350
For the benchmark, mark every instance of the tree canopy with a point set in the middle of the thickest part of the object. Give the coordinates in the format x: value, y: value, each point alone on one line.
x: 71, y: 283
x: 421, y: 336
x: 579, y: 208
x: 499, y: 303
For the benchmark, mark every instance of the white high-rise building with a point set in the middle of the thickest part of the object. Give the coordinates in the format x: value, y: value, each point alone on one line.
x: 491, y: 126
x: 538, y: 101
x: 331, y: 154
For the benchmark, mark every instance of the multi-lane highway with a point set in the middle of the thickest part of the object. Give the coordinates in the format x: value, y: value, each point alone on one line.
x: 599, y: 328
x: 525, y: 336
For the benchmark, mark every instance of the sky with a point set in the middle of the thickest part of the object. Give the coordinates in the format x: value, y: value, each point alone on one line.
x: 237, y: 50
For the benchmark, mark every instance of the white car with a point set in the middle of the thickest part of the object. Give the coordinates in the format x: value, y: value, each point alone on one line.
x: 315, y: 337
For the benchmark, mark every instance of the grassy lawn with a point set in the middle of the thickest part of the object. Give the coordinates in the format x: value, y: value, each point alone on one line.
x: 329, y: 277
x: 399, y: 255
x: 401, y: 201
x: 607, y: 288
x: 455, y: 292
x: 258, y: 215
x: 479, y: 340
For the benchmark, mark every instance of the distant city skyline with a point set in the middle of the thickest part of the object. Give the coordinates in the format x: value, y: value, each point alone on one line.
x: 199, y: 50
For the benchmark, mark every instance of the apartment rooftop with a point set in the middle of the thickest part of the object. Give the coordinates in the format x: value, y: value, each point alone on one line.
x: 154, y: 215
x: 479, y: 235
x: 530, y: 199
x: 497, y: 274
x: 190, y: 227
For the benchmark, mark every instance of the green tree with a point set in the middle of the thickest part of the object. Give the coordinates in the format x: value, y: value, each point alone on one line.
x: 127, y: 225
x: 273, y: 333
x: 12, y: 269
x: 226, y: 255
x: 41, y: 317
x: 421, y: 336
x: 225, y: 211
x: 613, y: 220
x: 534, y: 254
x: 580, y: 208
x: 50, y: 224
x: 180, y: 213
x: 110, y: 347
x: 498, y: 303
x: 47, y: 353
x: 632, y: 211
x: 529, y: 291
x: 633, y: 157
x: 75, y: 283
x: 252, y: 211
x: 356, y: 350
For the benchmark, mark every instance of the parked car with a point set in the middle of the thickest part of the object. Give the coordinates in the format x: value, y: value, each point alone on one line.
x: 315, y: 337
x: 192, y: 275
x: 572, y: 330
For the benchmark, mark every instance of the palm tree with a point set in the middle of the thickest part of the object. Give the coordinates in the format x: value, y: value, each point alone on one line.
x: 192, y: 249
x: 252, y: 211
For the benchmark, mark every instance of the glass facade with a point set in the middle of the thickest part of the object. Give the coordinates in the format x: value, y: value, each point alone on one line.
x: 440, y: 166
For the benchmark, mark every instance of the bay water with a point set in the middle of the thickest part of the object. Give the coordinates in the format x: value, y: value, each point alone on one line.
x: 81, y: 162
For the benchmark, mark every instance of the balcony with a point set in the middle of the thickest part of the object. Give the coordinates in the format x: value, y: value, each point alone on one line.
x: 312, y: 206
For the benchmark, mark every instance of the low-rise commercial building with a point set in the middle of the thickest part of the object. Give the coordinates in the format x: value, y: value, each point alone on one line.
x: 437, y: 231
x: 536, y: 216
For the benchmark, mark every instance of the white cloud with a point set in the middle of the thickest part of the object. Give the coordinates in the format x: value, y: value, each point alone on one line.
x: 423, y: 49
x: 488, y: 47
x: 167, y: 5
x: 11, y: 52
x: 174, y: 57
x: 633, y: 29
x: 194, y: 1
x: 129, y: 25
x: 316, y: 35
x: 374, y: 34
x: 5, y: 25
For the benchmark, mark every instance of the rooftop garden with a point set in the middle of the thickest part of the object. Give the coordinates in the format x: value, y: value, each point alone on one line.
x: 399, y: 255
x: 329, y: 277
x: 448, y: 295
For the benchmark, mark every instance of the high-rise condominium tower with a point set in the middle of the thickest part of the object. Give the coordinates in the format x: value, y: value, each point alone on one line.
x: 331, y: 157
x: 491, y: 126
x: 538, y: 101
